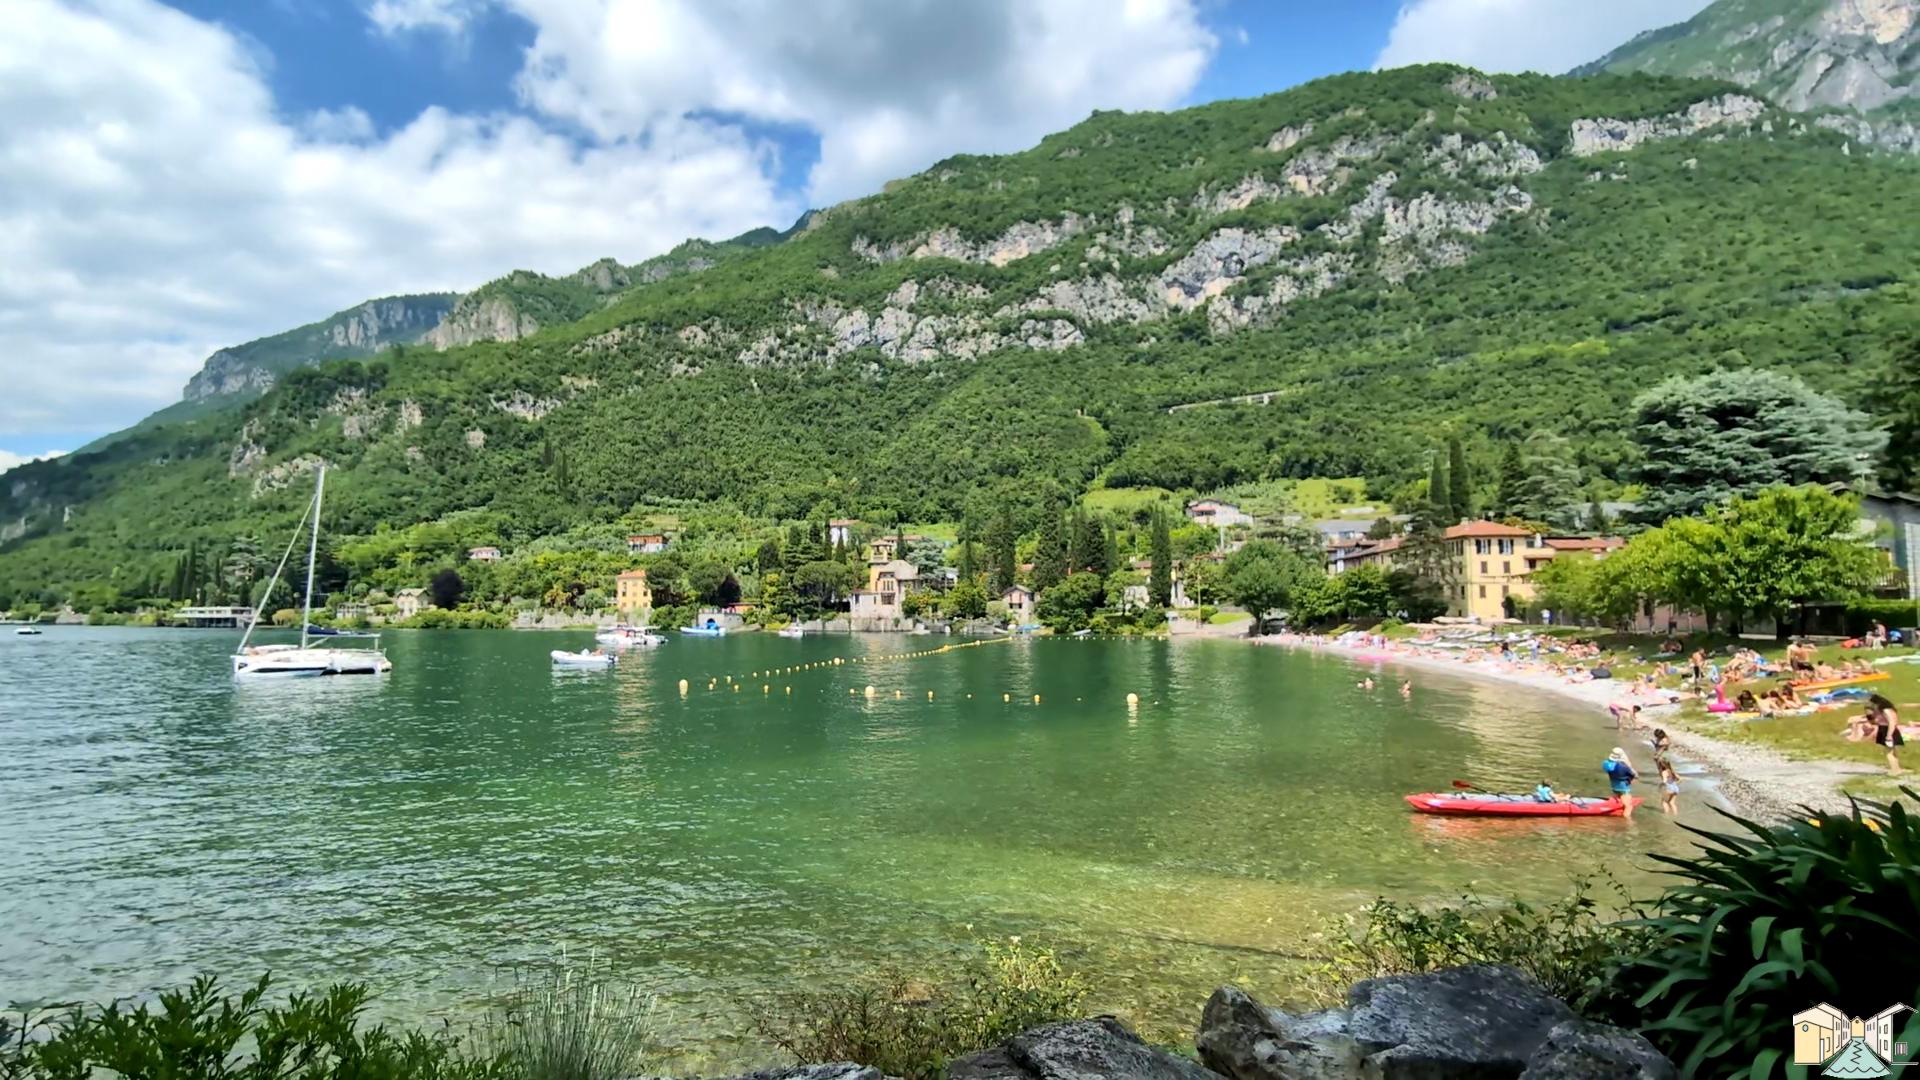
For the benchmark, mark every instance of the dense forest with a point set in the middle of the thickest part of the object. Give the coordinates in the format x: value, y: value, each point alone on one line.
x: 1386, y: 259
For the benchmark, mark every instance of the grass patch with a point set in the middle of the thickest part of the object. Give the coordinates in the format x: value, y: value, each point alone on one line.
x: 1126, y: 501
x: 1228, y: 618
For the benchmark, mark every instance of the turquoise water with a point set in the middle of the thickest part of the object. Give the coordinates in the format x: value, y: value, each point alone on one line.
x: 476, y: 809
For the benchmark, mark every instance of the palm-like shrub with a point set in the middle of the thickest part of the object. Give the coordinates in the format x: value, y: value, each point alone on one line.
x: 1761, y: 926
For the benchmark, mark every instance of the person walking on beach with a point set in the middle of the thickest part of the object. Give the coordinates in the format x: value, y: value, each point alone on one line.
x: 1886, y: 730
x: 1699, y: 662
x: 1620, y: 776
x: 1669, y: 777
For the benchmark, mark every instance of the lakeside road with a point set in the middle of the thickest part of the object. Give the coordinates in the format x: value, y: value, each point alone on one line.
x: 1756, y: 783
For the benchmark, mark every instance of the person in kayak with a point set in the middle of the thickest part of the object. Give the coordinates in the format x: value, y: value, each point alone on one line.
x: 1620, y: 775
x: 1545, y: 793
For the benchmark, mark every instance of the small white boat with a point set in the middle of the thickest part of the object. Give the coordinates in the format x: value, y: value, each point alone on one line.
x: 582, y: 659
x: 792, y: 631
x: 28, y: 631
x: 712, y: 629
x: 628, y: 636
x: 919, y: 631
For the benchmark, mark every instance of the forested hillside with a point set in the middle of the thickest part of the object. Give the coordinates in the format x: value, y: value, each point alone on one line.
x: 1392, y: 257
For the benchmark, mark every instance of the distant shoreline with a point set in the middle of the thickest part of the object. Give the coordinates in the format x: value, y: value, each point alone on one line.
x: 1756, y: 782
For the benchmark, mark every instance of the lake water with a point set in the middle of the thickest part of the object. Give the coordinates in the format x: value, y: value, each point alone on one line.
x: 476, y: 809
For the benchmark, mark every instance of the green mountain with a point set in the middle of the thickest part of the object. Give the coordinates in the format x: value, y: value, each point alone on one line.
x: 1377, y: 259
x: 1858, y: 56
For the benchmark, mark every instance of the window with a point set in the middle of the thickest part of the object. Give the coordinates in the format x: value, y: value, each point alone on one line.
x: 1504, y: 591
x: 1480, y: 547
x: 1506, y: 566
x: 1483, y: 592
x: 1506, y: 546
x: 1483, y: 566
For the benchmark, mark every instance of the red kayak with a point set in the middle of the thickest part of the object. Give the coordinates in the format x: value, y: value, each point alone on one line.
x: 1483, y: 803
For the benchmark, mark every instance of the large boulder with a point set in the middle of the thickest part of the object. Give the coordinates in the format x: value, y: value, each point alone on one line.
x: 1076, y: 1050
x: 1579, y: 1049
x: 1473, y: 1022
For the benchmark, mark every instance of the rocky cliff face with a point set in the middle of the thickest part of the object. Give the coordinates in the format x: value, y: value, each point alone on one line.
x: 1859, y: 55
x: 249, y: 370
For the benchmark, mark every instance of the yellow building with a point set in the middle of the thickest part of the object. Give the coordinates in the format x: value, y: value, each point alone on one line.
x: 1491, y: 565
x: 631, y: 594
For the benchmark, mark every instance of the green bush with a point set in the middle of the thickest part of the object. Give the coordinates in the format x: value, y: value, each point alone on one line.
x: 1571, y: 946
x: 567, y: 1023
x: 199, y: 1032
x: 1862, y: 614
x: 911, y: 1028
x: 1761, y: 926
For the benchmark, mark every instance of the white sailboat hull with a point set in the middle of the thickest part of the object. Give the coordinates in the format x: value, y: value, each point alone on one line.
x: 292, y: 662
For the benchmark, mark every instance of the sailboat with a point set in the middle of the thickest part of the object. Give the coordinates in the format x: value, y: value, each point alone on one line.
x: 302, y: 660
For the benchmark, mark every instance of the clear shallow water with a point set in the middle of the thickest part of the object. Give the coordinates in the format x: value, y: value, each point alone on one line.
x: 476, y: 810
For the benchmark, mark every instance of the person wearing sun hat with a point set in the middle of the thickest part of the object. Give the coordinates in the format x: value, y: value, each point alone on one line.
x: 1621, y: 775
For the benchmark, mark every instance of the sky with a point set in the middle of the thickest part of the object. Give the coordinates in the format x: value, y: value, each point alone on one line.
x: 180, y: 176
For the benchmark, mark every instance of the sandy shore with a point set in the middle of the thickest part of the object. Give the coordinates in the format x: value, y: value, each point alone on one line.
x: 1753, y: 781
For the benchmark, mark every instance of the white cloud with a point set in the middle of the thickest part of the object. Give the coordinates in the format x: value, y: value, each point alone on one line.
x: 890, y: 86
x: 10, y: 460
x: 154, y: 206
x: 156, y: 203
x: 1550, y: 36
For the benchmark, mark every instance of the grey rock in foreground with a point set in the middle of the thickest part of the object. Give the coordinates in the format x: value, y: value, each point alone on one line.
x: 1470, y: 1022
x: 1581, y: 1049
x: 1076, y: 1050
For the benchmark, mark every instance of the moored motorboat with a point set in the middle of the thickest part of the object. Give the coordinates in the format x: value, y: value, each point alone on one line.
x: 711, y: 629
x: 28, y: 631
x: 1492, y: 804
x: 582, y: 659
x: 628, y: 636
x: 791, y: 631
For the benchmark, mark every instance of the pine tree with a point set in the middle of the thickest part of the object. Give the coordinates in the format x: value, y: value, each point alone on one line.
x: 1597, y: 522
x: 966, y: 561
x: 1437, y: 494
x: 1109, y: 549
x: 1091, y: 547
x: 1459, y: 480
x: 1050, y: 552
x: 1513, y: 481
x: 1160, y: 550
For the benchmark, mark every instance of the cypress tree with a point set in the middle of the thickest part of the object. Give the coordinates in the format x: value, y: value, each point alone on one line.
x: 1459, y: 480
x: 1003, y: 563
x: 1160, y: 550
x: 1050, y: 553
x: 1091, y: 548
x: 1513, y: 481
x: 1109, y: 549
x: 966, y: 561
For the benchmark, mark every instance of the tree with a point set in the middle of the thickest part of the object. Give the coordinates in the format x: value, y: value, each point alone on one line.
x: 1003, y: 564
x: 1069, y: 605
x: 1109, y: 548
x: 768, y: 558
x: 1459, y: 480
x: 1364, y: 592
x: 1205, y: 581
x: 1549, y: 485
x: 1734, y: 433
x: 1899, y: 406
x: 1049, y: 553
x: 1513, y: 479
x: 1090, y: 547
x: 446, y: 588
x: 966, y: 560
x: 1262, y: 576
x: 1382, y: 529
x: 966, y: 600
x: 1160, y: 551
x: 1776, y: 551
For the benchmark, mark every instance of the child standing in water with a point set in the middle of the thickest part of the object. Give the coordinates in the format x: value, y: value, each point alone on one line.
x: 1669, y: 777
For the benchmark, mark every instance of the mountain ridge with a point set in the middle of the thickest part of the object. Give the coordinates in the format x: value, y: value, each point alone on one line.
x: 1382, y: 256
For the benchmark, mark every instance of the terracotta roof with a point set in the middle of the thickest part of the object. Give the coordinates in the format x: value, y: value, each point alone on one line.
x: 1474, y: 529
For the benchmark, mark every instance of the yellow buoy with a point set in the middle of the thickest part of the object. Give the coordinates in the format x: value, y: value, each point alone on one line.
x: 736, y: 688
x: 929, y: 695
x: 1036, y: 699
x: 765, y: 688
x: 683, y: 688
x: 1006, y: 697
x: 1133, y: 699
x: 870, y: 690
x: 789, y: 689
x: 896, y: 695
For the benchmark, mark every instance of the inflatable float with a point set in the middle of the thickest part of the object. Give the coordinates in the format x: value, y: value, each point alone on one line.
x: 1494, y: 805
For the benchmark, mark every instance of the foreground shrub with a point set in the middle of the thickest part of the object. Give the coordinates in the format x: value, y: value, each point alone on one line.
x: 199, y: 1032
x: 1571, y: 947
x: 911, y: 1028
x: 568, y: 1023
x: 1764, y: 925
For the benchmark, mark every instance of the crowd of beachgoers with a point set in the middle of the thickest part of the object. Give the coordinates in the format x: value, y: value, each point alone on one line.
x: 1650, y: 698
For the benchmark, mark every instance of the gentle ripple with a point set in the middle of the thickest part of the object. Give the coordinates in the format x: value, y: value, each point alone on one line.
x: 476, y: 810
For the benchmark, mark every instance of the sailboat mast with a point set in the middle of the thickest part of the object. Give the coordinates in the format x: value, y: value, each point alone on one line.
x: 313, y: 551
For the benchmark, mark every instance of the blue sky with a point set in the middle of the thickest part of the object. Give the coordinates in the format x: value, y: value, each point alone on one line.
x: 184, y: 175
